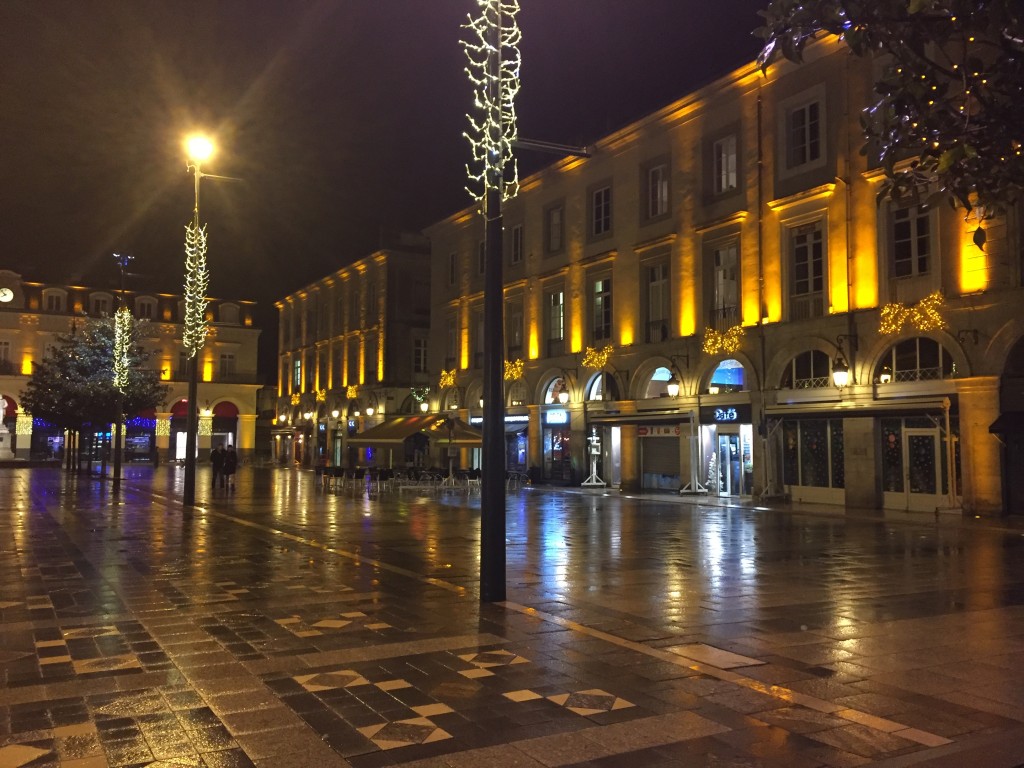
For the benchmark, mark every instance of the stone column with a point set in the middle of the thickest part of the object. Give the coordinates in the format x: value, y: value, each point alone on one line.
x: 979, y: 449
x: 246, y: 436
x: 630, y: 454
x: 862, y: 468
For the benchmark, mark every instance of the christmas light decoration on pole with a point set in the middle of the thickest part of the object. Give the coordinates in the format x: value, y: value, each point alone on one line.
x: 494, y: 34
x: 493, y: 55
x: 197, y: 280
x: 121, y: 367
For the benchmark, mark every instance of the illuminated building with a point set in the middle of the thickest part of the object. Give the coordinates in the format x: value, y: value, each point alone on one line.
x: 39, y: 312
x: 731, y: 244
x: 353, y: 354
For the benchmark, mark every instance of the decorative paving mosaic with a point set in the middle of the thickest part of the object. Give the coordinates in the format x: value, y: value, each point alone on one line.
x: 168, y: 726
x: 427, y: 704
x: 303, y: 627
x: 93, y: 650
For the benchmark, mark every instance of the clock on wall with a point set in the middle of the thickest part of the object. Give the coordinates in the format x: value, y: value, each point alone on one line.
x: 6, y: 294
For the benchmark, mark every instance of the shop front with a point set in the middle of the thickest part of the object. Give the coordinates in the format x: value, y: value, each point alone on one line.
x: 556, y: 443
x: 727, y: 448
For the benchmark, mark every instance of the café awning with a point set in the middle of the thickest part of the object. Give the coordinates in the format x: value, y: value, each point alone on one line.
x: 395, y: 431
x: 455, y: 432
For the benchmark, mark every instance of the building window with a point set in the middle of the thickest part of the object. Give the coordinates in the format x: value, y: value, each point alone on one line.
x: 602, y: 310
x: 555, y: 224
x: 724, y: 154
x: 54, y: 302
x: 657, y: 302
x: 657, y: 191
x: 452, y: 358
x: 481, y: 258
x: 917, y: 359
x: 807, y: 257
x: 297, y: 375
x: 514, y: 330
x: 910, y: 241
x: 724, y: 312
x: 227, y: 365
x: 601, y: 212
x: 554, y: 303
x: 517, y: 244
x: 813, y: 453
x: 145, y: 308
x: 100, y: 305
x: 808, y: 370
x: 478, y: 339
x: 419, y: 355
x: 453, y: 261
x: 5, y: 351
x: 803, y: 134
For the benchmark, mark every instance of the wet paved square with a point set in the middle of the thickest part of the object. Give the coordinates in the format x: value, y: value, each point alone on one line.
x: 282, y: 625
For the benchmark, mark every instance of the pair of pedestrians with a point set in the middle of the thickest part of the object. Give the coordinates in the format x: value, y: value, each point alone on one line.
x: 224, y: 463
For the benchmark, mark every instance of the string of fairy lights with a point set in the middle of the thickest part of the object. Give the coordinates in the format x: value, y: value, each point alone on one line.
x: 197, y: 281
x: 492, y: 132
x: 122, y: 343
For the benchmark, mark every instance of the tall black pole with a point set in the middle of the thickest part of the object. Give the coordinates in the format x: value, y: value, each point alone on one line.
x: 492, y: 481
x: 192, y: 425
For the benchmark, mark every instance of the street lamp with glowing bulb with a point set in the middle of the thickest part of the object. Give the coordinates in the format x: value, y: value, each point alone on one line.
x: 198, y: 149
x: 672, y: 387
x: 424, y: 406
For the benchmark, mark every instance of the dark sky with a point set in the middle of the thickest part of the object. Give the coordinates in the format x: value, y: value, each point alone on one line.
x: 344, y: 119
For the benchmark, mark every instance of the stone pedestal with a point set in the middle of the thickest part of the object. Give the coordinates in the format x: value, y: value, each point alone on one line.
x: 6, y: 454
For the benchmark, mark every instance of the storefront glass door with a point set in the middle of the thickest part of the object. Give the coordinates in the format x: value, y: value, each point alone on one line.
x: 730, y: 474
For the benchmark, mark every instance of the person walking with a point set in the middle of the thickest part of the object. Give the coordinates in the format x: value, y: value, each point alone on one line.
x: 217, y: 456
x: 230, y: 465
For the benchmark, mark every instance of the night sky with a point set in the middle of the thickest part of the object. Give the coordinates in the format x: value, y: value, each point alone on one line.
x: 343, y: 118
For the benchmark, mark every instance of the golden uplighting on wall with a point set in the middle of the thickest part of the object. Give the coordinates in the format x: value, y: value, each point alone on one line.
x: 514, y: 369
x: 207, y: 370
x: 727, y: 342
x: 26, y: 365
x: 447, y: 379
x: 926, y: 315
x: 597, y: 358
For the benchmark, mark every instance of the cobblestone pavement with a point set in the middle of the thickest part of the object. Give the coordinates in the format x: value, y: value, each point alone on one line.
x: 281, y: 625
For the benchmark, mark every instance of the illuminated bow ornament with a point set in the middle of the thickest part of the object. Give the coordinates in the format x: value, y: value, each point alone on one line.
x: 727, y: 342
x: 926, y: 315
x: 447, y: 379
x: 514, y: 369
x: 597, y: 358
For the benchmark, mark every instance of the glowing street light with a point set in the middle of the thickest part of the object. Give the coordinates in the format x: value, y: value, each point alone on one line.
x: 198, y: 149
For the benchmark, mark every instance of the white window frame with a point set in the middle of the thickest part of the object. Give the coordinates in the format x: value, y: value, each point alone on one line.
x: 724, y: 154
x: 602, y: 308
x: 922, y: 216
x: 554, y: 314
x: 657, y: 190
x: 516, y: 255
x: 554, y: 235
x: 419, y: 355
x: 601, y: 211
x: 788, y: 109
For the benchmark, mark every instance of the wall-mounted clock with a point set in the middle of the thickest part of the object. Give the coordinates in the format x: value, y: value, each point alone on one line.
x: 6, y: 294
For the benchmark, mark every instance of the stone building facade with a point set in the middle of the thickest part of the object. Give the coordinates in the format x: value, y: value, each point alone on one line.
x: 35, y: 313
x: 722, y: 259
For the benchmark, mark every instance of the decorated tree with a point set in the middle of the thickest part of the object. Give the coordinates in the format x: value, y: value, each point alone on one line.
x: 949, y: 97
x: 73, y: 386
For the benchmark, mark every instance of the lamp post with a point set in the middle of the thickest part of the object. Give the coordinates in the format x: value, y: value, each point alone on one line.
x: 198, y: 150
x: 122, y: 332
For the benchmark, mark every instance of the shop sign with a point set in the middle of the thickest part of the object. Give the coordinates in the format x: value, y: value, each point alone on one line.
x: 658, y: 431
x: 726, y: 414
x: 515, y: 418
x: 556, y: 417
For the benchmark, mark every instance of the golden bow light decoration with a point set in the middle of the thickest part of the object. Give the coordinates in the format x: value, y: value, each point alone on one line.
x: 926, y: 315
x: 514, y: 369
x: 321, y: 395
x: 728, y: 341
x: 351, y: 392
x: 447, y: 379
x: 597, y: 358
x: 296, y: 398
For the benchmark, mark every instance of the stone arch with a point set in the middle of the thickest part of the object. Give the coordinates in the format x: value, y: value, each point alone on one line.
x: 792, y: 348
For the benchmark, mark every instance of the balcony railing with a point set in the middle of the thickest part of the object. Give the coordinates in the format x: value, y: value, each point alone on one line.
x: 556, y: 347
x: 723, y: 318
x: 7, y: 368
x: 657, y: 330
x: 807, y: 306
